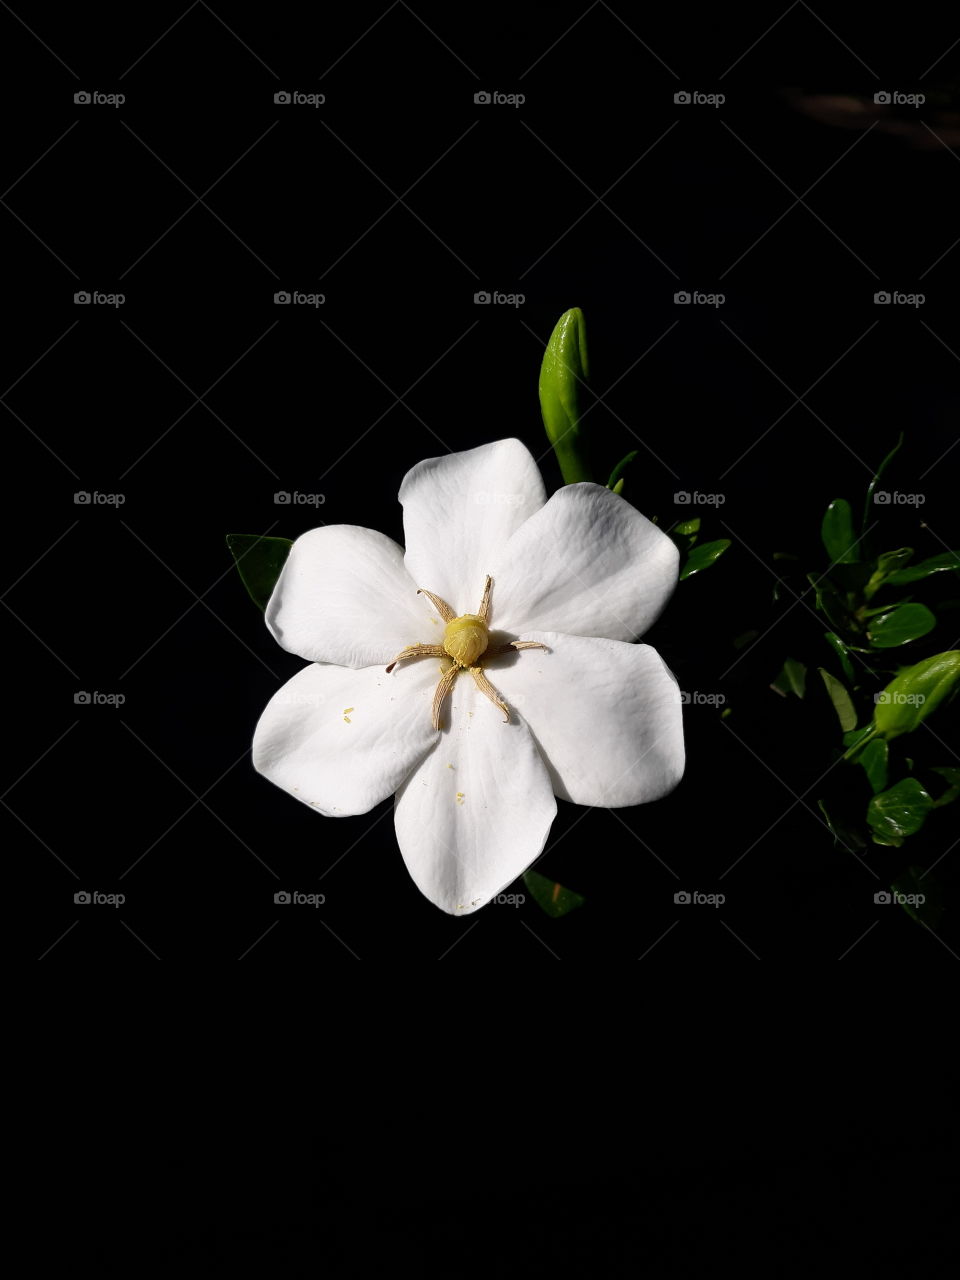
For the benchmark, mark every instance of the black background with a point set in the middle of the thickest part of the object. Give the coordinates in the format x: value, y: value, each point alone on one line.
x: 399, y: 199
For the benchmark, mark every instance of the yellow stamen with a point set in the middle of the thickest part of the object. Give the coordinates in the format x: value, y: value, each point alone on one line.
x: 485, y: 687
x: 441, y: 691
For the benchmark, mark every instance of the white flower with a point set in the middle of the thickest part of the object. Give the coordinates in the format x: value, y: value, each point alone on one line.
x: 583, y: 714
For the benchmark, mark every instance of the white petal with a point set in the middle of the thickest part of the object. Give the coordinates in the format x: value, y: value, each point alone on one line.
x: 344, y: 596
x: 588, y: 564
x: 459, y: 512
x: 343, y: 740
x: 606, y: 716
x: 477, y: 811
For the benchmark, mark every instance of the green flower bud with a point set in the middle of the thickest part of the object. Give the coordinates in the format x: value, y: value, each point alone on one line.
x: 915, y: 692
x: 562, y: 376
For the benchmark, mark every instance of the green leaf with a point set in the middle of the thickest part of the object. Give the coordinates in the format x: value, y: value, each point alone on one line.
x: 952, y: 776
x: 920, y: 896
x: 618, y: 470
x: 915, y: 693
x: 703, y: 557
x: 259, y: 560
x: 687, y: 528
x: 828, y: 601
x: 900, y: 811
x: 837, y: 532
x: 936, y: 564
x: 551, y: 897
x: 900, y: 625
x: 843, y: 653
x: 792, y: 678
x: 562, y: 377
x: 887, y: 564
x: 874, y: 758
x: 842, y: 702
x: 876, y: 480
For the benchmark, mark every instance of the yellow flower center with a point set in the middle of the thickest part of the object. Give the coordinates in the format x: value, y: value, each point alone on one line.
x: 466, y: 639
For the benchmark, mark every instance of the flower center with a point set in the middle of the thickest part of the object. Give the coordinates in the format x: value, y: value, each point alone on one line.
x: 466, y: 639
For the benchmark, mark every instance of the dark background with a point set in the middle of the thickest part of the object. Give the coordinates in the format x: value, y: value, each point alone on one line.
x: 399, y: 199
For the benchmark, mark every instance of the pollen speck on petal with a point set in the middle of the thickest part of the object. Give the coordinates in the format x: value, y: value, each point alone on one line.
x: 460, y: 797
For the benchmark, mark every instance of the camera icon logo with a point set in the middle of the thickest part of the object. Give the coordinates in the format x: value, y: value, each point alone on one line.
x: 682, y: 299
x: 282, y: 898
x: 682, y: 98
x: 682, y: 898
x: 282, y: 498
x: 684, y: 698
x: 82, y: 699
x: 681, y: 499
x: 882, y: 99
x: 482, y: 299
x: 82, y: 98
x: 81, y: 499
x: 82, y: 898
x: 881, y: 299
x: 81, y: 299
x: 282, y: 299
x: 482, y: 98
x: 883, y: 898
x: 282, y: 98
x: 882, y: 496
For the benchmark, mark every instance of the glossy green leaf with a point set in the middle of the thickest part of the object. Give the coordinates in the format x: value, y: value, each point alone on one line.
x: 686, y: 528
x: 259, y: 561
x: 920, y: 895
x: 900, y: 811
x: 551, y: 897
x: 915, y: 693
x: 875, y: 759
x: 843, y: 653
x: 792, y: 678
x: 616, y: 475
x: 900, y: 625
x: 703, y: 556
x: 842, y: 702
x: 563, y: 375
x: 949, y: 560
x: 837, y: 532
